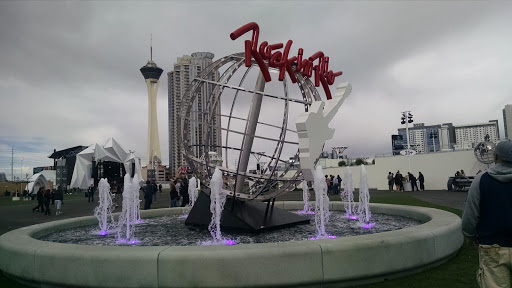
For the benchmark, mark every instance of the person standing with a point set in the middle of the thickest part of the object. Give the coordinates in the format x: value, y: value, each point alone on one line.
x: 462, y: 173
x: 487, y: 219
x: 390, y: 181
x: 184, y: 192
x: 40, y: 199
x: 422, y: 180
x: 59, y: 198
x: 413, y: 182
x: 47, y: 195
x: 90, y: 193
x: 148, y: 195
x: 335, y: 185
x: 398, y: 181
x: 339, y: 184
x: 174, y: 195
x: 328, y: 182
x: 154, y: 188
x: 160, y: 188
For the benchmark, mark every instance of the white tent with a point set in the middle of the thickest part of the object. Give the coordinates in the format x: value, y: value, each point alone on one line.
x: 35, y: 182
x: 112, y: 151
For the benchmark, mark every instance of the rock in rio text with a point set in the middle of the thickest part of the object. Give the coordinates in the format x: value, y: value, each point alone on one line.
x: 278, y: 59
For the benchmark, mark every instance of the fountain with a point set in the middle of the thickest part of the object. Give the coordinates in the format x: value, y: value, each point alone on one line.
x: 348, y: 194
x: 192, y: 190
x: 130, y: 212
x: 363, y: 210
x: 217, y: 201
x: 321, y: 204
x: 104, y: 210
x: 135, y: 204
x: 305, y: 197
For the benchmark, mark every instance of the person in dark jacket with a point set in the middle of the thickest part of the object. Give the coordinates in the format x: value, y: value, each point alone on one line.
x: 413, y: 182
x: 487, y: 219
x: 90, y: 193
x: 422, y: 180
x: 155, y: 190
x: 399, y: 181
x: 184, y: 192
x: 47, y: 198
x: 40, y: 205
x: 174, y: 195
x: 148, y: 195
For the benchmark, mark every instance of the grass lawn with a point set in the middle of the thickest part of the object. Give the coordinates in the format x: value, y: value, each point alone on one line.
x: 457, y: 272
x: 460, y: 271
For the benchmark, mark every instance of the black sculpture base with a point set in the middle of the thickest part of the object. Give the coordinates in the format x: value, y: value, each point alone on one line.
x: 253, y: 216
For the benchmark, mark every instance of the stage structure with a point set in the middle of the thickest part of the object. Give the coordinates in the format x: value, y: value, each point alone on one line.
x: 152, y: 74
x: 247, y: 192
x: 110, y: 161
x: 35, y: 182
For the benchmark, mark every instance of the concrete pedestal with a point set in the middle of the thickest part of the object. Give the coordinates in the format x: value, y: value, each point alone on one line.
x: 407, y: 186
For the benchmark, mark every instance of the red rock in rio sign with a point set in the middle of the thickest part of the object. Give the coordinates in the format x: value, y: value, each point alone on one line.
x: 278, y: 59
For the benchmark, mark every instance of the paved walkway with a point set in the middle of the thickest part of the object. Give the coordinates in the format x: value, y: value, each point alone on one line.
x: 13, y: 217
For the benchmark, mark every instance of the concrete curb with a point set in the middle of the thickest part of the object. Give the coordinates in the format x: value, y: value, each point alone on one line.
x: 300, y: 263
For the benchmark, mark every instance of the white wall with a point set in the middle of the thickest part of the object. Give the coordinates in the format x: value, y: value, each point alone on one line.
x: 436, y: 168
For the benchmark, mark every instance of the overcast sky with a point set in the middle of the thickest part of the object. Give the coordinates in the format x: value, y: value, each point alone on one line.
x: 69, y: 71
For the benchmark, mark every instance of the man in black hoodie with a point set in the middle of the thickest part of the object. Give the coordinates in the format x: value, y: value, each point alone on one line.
x: 40, y: 205
x: 184, y: 192
x: 148, y: 195
x: 487, y: 219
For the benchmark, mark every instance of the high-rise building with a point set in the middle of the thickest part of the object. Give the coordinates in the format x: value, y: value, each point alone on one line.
x: 185, y: 70
x: 424, y: 139
x: 152, y: 74
x: 467, y: 136
x: 507, y: 121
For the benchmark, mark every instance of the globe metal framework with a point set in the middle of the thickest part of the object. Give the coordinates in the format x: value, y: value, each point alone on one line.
x: 484, y: 152
x: 266, y: 185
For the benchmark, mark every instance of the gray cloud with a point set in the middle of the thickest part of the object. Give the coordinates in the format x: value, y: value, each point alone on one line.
x: 69, y: 70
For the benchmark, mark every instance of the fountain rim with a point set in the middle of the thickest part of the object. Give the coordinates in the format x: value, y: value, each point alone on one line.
x: 436, y: 240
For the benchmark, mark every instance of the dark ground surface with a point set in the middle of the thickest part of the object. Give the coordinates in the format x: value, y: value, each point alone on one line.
x: 21, y: 215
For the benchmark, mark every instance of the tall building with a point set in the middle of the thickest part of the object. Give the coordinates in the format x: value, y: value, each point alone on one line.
x: 152, y: 74
x: 424, y: 139
x: 185, y: 70
x: 467, y: 136
x: 507, y: 121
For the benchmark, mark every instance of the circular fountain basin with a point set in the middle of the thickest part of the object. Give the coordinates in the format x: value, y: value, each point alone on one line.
x: 348, y: 260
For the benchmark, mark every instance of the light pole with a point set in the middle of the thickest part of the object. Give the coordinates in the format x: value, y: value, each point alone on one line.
x: 21, y: 169
x: 433, y: 136
x: 406, y: 119
x: 258, y: 156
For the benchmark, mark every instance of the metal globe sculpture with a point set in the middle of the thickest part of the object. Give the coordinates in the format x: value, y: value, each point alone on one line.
x: 257, y: 120
x: 268, y: 181
x: 484, y: 152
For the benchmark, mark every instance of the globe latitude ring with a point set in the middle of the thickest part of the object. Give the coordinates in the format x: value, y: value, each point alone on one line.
x: 268, y: 185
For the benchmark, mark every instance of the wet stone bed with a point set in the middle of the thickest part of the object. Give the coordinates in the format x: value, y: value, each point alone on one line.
x: 172, y: 231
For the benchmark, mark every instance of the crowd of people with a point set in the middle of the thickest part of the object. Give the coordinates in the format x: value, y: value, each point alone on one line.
x: 45, y: 197
x: 333, y: 184
x: 396, y: 181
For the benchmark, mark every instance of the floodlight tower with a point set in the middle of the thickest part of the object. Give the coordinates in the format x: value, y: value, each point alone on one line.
x: 151, y: 74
